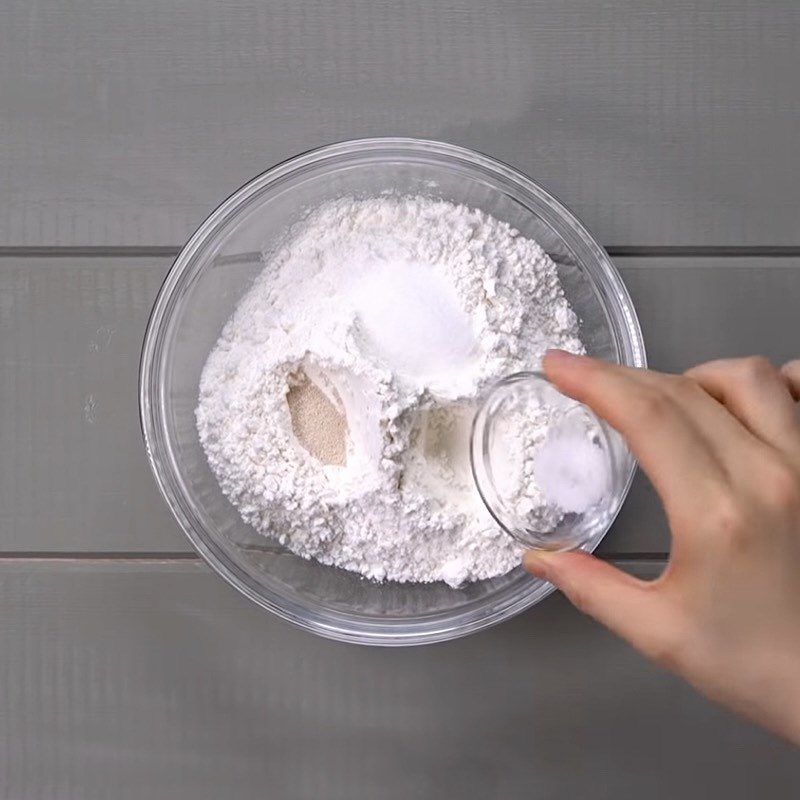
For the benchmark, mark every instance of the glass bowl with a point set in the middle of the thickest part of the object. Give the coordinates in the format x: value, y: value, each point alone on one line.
x: 216, y: 268
x: 584, y: 477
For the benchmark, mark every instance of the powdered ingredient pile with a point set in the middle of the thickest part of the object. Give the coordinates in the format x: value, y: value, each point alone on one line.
x: 382, y: 319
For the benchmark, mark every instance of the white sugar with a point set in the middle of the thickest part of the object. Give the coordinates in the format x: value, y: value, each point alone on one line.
x: 571, y: 468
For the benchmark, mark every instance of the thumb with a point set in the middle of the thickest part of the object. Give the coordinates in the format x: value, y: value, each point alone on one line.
x: 631, y: 608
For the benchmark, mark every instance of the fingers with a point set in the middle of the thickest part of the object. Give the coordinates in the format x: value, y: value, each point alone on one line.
x: 668, y: 443
x: 756, y: 393
x: 631, y: 608
x: 791, y: 374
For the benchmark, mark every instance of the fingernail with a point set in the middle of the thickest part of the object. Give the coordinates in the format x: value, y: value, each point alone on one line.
x: 537, y: 562
x: 554, y: 354
x: 564, y: 357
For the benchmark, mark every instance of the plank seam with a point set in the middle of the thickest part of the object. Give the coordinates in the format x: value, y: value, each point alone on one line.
x: 638, y: 251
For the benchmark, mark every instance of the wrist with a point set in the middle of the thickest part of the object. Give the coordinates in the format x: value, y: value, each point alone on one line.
x: 793, y: 732
x: 785, y: 700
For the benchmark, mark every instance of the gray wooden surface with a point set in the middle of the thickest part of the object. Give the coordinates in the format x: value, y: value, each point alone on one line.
x: 157, y: 681
x: 126, y: 668
x: 661, y: 122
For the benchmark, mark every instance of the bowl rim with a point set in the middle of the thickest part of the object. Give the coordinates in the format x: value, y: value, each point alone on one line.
x: 330, y: 624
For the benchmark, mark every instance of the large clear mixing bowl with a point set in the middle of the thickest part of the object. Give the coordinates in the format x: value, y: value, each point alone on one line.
x: 217, y: 267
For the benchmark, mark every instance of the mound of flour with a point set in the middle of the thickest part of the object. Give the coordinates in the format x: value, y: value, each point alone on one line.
x: 397, y: 311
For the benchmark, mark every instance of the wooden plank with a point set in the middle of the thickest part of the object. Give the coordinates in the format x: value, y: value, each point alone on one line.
x: 698, y: 309
x: 661, y: 124
x: 73, y: 473
x: 133, y: 680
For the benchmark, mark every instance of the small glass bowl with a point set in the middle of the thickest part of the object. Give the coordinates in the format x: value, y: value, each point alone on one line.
x: 214, y: 271
x: 506, y: 466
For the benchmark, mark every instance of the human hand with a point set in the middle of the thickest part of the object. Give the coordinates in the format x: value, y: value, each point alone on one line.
x: 721, y: 445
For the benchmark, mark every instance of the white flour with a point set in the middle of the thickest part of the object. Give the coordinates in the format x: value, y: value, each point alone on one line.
x: 401, y: 310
